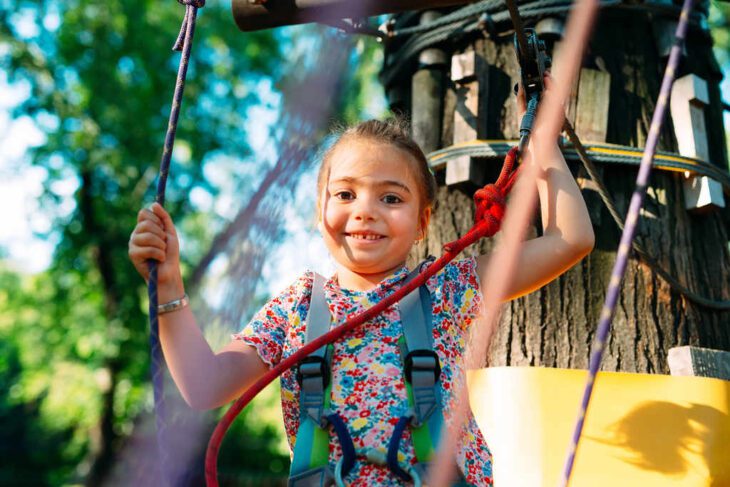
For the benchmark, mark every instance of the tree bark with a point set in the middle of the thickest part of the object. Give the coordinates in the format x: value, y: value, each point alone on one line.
x: 555, y: 325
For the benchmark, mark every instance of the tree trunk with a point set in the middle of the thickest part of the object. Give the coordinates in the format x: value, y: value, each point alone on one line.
x: 554, y: 326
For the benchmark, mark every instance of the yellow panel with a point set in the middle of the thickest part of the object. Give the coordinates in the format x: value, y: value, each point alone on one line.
x: 641, y: 429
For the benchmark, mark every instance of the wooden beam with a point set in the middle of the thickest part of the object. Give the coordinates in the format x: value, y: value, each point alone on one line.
x: 427, y: 86
x: 251, y: 15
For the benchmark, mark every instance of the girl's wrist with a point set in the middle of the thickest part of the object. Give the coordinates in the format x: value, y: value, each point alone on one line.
x: 170, y: 291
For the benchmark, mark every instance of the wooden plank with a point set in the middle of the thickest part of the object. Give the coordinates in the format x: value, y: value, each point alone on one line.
x: 463, y: 66
x: 591, y: 116
x: 587, y: 107
x: 689, y: 97
x: 699, y: 362
x: 466, y: 117
x: 687, y: 105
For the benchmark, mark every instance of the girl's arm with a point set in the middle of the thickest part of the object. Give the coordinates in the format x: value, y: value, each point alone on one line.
x: 205, y: 379
x: 567, y: 230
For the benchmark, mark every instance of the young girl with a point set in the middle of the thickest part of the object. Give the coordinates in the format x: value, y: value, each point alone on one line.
x: 375, y: 195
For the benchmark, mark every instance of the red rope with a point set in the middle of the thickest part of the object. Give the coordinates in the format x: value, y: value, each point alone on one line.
x: 490, y: 205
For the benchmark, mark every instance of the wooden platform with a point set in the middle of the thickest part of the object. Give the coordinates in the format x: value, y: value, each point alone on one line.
x: 641, y: 430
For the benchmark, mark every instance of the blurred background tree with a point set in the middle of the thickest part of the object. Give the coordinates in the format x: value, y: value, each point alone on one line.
x: 74, y: 366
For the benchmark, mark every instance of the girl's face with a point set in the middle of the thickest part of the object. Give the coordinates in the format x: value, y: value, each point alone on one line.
x: 371, y: 208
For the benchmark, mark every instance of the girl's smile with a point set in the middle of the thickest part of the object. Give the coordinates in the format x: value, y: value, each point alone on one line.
x: 371, y: 211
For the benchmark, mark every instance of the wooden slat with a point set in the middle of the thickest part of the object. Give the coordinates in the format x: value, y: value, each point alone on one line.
x: 699, y: 362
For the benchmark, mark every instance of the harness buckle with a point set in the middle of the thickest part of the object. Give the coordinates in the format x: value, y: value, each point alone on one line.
x: 312, y: 367
x: 422, y: 361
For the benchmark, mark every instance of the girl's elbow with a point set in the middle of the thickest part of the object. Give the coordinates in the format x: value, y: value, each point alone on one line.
x: 199, y: 402
x: 195, y: 403
x: 586, y: 242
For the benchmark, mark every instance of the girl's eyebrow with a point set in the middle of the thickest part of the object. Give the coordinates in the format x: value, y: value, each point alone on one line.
x: 387, y: 182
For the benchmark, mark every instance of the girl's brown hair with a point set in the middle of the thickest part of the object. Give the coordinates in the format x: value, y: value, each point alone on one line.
x: 393, y: 131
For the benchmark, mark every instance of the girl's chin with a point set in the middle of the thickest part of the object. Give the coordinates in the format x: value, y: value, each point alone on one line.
x: 373, y: 267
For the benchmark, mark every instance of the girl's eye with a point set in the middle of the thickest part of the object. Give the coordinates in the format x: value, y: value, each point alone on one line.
x: 392, y: 199
x: 344, y: 195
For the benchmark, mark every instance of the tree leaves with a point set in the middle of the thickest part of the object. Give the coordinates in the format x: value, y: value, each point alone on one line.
x: 100, y: 77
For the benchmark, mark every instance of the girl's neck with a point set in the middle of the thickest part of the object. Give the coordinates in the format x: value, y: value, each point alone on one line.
x: 355, y: 281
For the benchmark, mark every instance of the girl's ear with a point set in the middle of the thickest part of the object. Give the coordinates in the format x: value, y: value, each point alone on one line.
x: 423, y: 221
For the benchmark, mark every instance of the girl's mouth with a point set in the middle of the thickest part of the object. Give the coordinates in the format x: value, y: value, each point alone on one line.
x: 364, y: 236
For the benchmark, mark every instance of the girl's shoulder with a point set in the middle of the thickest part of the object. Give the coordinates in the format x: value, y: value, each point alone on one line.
x: 459, y: 273
x: 299, y: 291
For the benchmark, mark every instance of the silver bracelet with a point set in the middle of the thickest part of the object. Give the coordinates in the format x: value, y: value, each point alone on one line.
x: 174, y: 305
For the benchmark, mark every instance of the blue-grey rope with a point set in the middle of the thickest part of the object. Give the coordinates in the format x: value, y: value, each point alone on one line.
x: 157, y: 364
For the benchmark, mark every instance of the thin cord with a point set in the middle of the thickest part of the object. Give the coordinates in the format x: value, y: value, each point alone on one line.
x: 627, y: 236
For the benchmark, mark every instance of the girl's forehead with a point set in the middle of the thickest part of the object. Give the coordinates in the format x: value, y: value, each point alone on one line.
x: 358, y: 159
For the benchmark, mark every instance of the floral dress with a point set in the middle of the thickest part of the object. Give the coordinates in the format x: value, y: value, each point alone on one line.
x: 368, y: 388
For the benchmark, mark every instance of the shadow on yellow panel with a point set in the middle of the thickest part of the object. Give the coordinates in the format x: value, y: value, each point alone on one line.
x: 641, y: 429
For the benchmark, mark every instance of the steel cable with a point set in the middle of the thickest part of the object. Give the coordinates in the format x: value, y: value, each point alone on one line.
x: 638, y: 248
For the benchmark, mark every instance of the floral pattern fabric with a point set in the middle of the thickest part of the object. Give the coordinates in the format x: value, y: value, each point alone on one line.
x: 368, y: 388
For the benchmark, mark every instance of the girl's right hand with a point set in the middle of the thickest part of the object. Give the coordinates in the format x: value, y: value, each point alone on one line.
x: 155, y: 237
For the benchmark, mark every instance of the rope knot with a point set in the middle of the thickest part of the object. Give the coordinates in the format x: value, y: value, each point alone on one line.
x: 490, y: 201
x: 192, y: 3
x: 490, y: 204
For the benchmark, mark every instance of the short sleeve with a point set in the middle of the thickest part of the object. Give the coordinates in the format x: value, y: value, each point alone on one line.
x: 462, y: 290
x: 268, y: 329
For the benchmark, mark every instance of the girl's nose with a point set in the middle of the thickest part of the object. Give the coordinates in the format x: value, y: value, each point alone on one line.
x: 364, y: 209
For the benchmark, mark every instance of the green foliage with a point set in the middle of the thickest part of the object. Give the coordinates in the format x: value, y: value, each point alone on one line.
x: 74, y: 358
x: 719, y: 21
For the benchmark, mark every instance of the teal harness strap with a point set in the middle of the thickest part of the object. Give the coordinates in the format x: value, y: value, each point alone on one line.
x: 311, y: 450
x: 422, y: 373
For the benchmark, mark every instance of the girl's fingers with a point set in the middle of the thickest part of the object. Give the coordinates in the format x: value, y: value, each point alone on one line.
x: 146, y: 214
x: 147, y: 239
x: 148, y: 226
x: 165, y: 218
x: 142, y: 254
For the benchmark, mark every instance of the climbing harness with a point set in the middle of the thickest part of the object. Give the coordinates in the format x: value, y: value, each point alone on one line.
x: 157, y: 363
x: 627, y: 235
x: 421, y: 372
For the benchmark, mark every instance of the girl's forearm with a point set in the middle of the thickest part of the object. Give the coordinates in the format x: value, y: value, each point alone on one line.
x: 205, y: 379
x: 188, y: 355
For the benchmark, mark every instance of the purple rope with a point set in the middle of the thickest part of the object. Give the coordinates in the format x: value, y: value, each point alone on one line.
x: 619, y: 268
x: 157, y: 365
